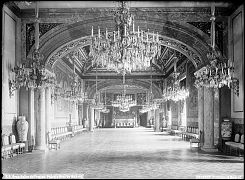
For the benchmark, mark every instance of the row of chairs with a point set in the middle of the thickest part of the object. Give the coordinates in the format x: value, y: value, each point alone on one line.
x: 175, y: 130
x: 123, y: 125
x: 77, y: 129
x: 190, y: 132
x: 11, y: 147
x: 237, y: 144
x: 60, y: 133
x: 57, y: 135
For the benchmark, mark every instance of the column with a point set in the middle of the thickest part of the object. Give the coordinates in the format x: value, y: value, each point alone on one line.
x: 148, y: 118
x: 208, y: 119
x: 169, y: 114
x: 157, y: 121
x: 91, y: 120
x: 41, y: 137
x: 31, y: 119
x: 201, y: 114
x: 216, y: 116
x: 48, y: 111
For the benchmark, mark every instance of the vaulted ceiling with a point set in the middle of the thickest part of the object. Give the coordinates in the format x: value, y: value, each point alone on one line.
x: 183, y: 27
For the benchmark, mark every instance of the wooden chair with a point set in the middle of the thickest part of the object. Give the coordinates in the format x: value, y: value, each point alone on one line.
x: 53, y: 142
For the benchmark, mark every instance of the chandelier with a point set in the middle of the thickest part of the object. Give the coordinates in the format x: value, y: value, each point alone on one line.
x: 219, y: 72
x: 32, y: 74
x: 151, y: 103
x: 96, y: 104
x: 123, y: 101
x: 75, y: 91
x: 105, y: 110
x: 175, y: 92
x: 125, y: 48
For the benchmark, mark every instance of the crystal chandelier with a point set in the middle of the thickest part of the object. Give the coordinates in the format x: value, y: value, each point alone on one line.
x: 151, y: 104
x: 125, y: 48
x: 105, y: 110
x: 96, y: 104
x: 123, y: 101
x: 176, y: 92
x: 219, y: 72
x: 32, y: 74
x: 75, y: 92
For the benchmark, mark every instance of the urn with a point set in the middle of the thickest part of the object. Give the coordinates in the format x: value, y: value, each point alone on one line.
x: 22, y: 128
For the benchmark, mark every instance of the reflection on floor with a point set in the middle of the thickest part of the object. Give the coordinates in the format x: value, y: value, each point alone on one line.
x: 127, y: 153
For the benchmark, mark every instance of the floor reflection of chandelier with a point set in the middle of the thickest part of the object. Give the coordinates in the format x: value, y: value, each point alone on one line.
x: 125, y: 48
x: 175, y: 92
x: 219, y: 72
x: 123, y: 101
x: 32, y: 74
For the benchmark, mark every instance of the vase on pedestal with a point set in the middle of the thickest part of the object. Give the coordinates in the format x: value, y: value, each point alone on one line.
x: 22, y: 128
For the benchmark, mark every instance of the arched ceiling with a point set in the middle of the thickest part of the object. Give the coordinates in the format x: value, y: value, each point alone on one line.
x: 69, y: 42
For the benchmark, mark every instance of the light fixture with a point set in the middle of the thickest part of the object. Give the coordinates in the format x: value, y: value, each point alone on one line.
x: 125, y: 48
x: 175, y: 92
x: 75, y: 91
x: 96, y: 104
x: 123, y: 101
x: 219, y: 72
x: 151, y: 103
x: 105, y: 110
x: 32, y: 74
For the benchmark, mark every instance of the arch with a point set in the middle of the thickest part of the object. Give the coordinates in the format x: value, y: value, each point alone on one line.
x: 140, y: 83
x: 182, y: 37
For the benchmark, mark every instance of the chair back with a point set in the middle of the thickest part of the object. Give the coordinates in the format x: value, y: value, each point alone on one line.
x: 12, y: 139
x: 5, y: 139
x: 237, y: 138
x: 242, y: 139
x: 49, y: 136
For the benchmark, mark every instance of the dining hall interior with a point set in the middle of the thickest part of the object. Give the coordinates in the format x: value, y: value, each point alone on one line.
x: 123, y: 89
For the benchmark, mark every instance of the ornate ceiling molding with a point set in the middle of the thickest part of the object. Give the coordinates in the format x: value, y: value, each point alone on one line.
x: 179, y: 36
x: 62, y: 51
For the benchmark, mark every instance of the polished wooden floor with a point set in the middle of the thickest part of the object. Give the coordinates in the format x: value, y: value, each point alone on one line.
x: 127, y: 153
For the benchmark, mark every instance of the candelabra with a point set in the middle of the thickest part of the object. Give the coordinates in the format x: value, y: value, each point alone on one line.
x: 125, y: 48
